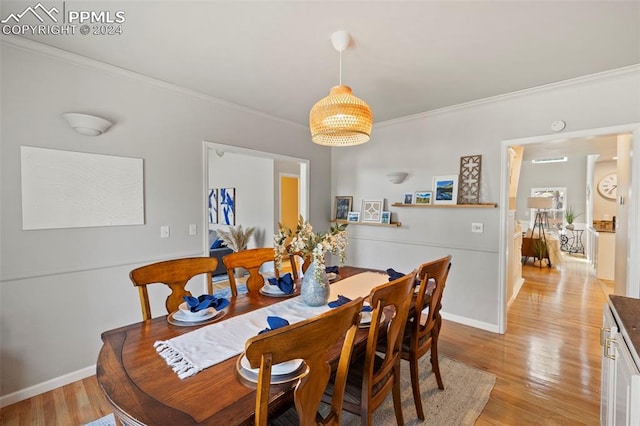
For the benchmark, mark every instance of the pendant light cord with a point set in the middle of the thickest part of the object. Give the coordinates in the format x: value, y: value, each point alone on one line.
x: 340, y: 69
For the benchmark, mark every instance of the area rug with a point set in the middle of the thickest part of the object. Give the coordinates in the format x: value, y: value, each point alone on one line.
x: 466, y: 392
x: 107, y: 420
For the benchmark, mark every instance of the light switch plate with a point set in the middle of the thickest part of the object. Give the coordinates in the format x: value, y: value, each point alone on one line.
x: 164, y: 231
x: 193, y: 229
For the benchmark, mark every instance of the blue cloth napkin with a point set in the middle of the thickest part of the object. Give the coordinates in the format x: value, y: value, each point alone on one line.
x: 205, y: 301
x: 274, y: 323
x: 394, y: 275
x: 330, y: 269
x: 284, y: 283
x: 341, y: 300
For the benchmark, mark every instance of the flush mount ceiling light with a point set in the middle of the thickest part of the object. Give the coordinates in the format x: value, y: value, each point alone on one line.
x: 340, y: 119
x: 85, y: 124
x: 549, y: 160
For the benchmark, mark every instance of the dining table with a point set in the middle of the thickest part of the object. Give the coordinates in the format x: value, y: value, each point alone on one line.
x: 144, y: 390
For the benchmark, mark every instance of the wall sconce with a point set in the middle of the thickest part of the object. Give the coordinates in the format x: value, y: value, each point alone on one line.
x: 397, y: 177
x: 85, y: 124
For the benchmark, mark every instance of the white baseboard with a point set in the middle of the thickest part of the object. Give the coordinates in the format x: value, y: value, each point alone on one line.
x: 54, y: 383
x: 516, y: 290
x: 470, y: 322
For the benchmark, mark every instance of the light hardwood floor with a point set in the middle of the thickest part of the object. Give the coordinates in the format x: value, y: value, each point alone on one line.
x: 547, y: 364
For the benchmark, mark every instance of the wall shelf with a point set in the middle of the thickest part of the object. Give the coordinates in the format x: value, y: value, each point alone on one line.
x: 449, y: 206
x: 392, y: 224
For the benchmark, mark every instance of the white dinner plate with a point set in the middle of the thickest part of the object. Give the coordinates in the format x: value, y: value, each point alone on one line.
x: 181, y: 316
x: 274, y: 291
x: 271, y: 289
x: 281, y: 369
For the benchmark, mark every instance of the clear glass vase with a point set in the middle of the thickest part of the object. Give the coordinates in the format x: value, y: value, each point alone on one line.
x: 315, y: 292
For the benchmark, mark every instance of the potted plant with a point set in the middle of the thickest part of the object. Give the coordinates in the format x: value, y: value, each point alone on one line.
x: 539, y: 247
x: 236, y: 238
x: 570, y: 215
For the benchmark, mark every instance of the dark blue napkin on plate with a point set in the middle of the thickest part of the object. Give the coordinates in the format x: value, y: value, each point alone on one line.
x: 205, y: 301
x: 274, y: 323
x: 341, y: 300
x: 394, y: 275
x: 284, y: 283
x: 330, y: 269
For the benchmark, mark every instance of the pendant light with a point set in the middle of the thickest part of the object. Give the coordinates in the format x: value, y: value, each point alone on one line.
x: 340, y: 119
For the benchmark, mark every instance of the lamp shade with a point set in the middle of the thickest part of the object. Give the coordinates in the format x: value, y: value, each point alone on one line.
x: 340, y: 119
x: 539, y: 202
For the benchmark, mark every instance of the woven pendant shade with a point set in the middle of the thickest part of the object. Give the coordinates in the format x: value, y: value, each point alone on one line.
x: 340, y: 119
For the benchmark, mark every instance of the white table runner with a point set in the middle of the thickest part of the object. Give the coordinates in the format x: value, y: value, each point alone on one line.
x: 191, y: 353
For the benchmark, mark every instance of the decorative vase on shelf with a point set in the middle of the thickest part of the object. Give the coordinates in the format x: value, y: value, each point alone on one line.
x: 569, y: 226
x: 314, y: 291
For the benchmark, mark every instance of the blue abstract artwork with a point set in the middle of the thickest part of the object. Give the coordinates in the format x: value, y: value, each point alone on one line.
x: 213, y: 205
x: 227, y: 206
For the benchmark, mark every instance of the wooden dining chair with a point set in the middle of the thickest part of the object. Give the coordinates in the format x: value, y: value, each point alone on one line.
x: 311, y: 341
x: 423, y: 327
x: 251, y: 260
x: 174, y: 273
x: 294, y: 257
x: 373, y: 377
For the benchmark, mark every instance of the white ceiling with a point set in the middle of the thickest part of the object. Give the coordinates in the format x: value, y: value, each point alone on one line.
x: 406, y: 57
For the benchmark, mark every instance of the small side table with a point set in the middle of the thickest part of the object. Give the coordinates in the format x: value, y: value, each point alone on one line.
x: 571, y: 241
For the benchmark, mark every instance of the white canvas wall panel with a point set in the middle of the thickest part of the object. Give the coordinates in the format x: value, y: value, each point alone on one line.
x: 65, y: 189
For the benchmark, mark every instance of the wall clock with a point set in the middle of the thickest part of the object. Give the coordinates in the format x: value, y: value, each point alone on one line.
x: 608, y: 185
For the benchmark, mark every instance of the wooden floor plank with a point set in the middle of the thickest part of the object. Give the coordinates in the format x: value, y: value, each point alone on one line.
x: 547, y: 364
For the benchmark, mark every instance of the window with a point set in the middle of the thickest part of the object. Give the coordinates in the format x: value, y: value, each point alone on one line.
x: 555, y: 214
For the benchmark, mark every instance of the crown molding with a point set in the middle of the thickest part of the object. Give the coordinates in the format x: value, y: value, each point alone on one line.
x: 631, y: 69
x: 79, y: 60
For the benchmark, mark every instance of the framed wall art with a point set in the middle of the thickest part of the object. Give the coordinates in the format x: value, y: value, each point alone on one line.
x: 386, y: 217
x: 343, y: 205
x: 353, y: 217
x: 408, y: 198
x: 445, y: 189
x: 227, y: 206
x: 423, y: 197
x: 213, y: 205
x: 371, y: 211
x: 469, y: 179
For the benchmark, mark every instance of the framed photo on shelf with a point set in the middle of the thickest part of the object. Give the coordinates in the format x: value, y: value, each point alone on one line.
x: 386, y: 217
x: 353, y: 217
x: 423, y: 197
x: 445, y: 189
x: 371, y: 211
x: 408, y: 198
x: 342, y: 207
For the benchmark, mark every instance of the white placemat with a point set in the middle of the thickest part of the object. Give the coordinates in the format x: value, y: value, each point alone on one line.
x: 193, y: 352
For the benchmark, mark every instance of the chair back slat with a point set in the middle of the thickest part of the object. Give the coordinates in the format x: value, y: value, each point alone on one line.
x: 379, y: 374
x: 175, y: 274
x: 251, y: 260
x: 309, y: 340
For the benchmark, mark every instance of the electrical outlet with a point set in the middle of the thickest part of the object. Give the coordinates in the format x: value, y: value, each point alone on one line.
x: 193, y: 229
x: 477, y: 227
x: 164, y: 231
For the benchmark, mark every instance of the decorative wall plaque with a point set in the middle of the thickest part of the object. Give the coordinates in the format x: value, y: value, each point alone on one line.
x: 469, y: 180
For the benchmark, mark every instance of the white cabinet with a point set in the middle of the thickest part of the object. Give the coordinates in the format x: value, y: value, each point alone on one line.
x: 620, y: 384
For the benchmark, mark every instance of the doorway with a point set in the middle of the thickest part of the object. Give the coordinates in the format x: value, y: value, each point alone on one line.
x: 289, y: 200
x: 254, y: 177
x: 629, y: 204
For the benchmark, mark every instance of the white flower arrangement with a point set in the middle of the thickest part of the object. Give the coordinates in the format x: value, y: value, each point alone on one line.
x: 310, y: 244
